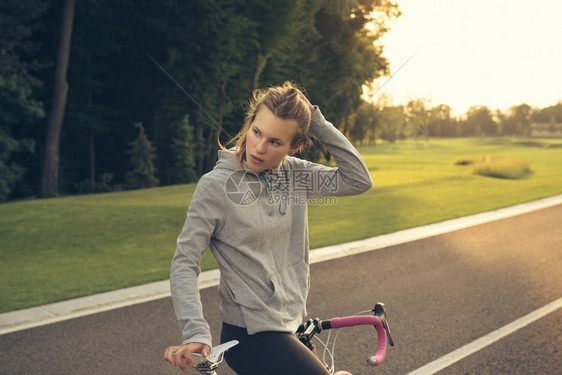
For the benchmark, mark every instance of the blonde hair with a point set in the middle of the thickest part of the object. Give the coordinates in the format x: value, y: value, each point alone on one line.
x: 286, y: 102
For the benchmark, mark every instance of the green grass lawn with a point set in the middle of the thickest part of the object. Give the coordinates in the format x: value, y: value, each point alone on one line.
x: 55, y: 249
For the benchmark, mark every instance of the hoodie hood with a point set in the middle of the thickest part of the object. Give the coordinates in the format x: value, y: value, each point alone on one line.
x: 227, y: 160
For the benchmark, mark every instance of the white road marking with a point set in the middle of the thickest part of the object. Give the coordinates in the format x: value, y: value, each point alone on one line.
x: 468, y: 349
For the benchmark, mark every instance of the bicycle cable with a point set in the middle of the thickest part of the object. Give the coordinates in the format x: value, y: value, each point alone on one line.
x: 332, y: 352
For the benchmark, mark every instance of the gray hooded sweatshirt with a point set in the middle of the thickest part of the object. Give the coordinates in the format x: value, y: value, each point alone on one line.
x: 256, y: 226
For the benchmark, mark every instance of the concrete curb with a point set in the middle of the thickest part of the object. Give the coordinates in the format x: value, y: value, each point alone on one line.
x: 42, y: 315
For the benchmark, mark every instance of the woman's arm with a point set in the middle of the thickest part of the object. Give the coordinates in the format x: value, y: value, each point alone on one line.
x: 204, y: 217
x: 351, y: 176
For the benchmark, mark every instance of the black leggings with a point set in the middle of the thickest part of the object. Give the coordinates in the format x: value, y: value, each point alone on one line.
x: 269, y: 353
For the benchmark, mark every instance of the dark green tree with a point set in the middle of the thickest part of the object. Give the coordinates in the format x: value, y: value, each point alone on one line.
x: 340, y: 55
x: 276, y: 25
x: 142, y: 154
x: 182, y: 145
x: 206, y: 53
x: 92, y: 113
x: 11, y: 172
x: 19, y: 106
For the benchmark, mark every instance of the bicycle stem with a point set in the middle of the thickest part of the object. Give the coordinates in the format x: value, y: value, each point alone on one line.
x: 313, y: 328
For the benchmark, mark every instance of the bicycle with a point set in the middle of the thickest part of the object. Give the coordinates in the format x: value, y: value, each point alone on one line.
x: 308, y: 330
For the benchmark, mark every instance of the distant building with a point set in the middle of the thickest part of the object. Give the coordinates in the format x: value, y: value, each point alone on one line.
x: 546, y: 130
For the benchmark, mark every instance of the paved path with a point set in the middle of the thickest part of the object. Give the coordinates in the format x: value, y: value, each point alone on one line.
x: 60, y: 311
x: 446, y: 288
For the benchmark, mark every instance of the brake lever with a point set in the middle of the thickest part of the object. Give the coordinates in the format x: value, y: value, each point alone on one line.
x: 380, y: 312
x: 206, y: 367
x: 215, y: 357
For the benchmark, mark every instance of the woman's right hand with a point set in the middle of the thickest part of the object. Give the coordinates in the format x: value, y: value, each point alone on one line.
x: 181, y: 355
x: 305, y: 99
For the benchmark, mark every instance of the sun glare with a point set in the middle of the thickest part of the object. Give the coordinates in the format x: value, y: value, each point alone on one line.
x: 496, y: 54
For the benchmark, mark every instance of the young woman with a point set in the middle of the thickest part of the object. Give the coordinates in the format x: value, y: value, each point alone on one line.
x: 251, y: 211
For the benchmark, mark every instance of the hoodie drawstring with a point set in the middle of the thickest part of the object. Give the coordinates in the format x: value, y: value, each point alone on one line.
x: 271, y: 201
x: 268, y: 188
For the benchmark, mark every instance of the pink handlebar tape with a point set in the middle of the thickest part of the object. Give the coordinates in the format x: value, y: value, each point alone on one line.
x: 359, y: 320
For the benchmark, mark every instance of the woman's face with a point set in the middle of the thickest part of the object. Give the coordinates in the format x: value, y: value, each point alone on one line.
x: 268, y: 140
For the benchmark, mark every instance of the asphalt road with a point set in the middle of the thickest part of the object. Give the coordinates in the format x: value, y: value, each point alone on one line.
x: 442, y: 292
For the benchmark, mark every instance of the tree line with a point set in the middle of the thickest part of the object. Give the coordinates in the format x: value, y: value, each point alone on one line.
x: 146, y: 87
x: 102, y: 95
x: 380, y: 120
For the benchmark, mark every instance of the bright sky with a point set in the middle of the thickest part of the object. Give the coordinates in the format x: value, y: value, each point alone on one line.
x: 496, y: 53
